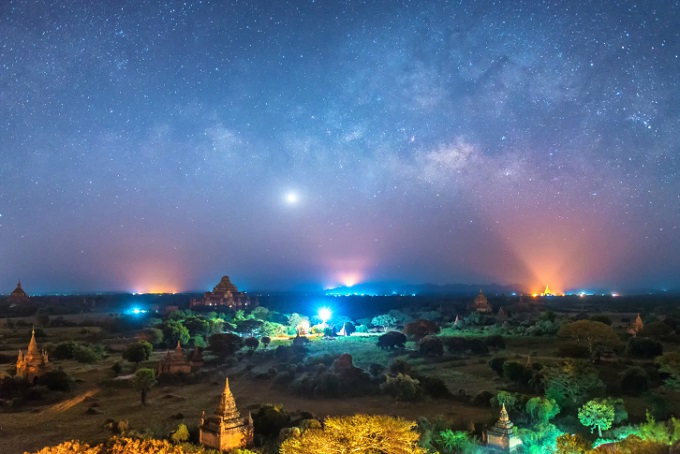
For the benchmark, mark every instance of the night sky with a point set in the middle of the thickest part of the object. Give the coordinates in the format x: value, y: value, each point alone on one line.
x: 156, y: 145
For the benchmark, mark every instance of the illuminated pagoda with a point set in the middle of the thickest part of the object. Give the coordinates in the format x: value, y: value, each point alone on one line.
x: 224, y: 294
x: 226, y: 429
x: 18, y: 295
x: 34, y: 363
x: 501, y: 437
x: 481, y: 304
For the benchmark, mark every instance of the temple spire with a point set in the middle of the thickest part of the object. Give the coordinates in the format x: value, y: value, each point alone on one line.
x: 227, y: 408
x: 32, y: 345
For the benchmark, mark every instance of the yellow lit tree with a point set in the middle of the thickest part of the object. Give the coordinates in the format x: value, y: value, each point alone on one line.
x: 357, y: 434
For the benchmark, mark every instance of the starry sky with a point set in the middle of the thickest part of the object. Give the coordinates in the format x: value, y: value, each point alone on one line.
x: 158, y: 145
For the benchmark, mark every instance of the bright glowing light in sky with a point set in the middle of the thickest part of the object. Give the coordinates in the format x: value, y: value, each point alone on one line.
x: 324, y: 314
x: 292, y: 198
x: 350, y: 279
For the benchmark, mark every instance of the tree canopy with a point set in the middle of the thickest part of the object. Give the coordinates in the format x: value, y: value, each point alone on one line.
x: 357, y: 434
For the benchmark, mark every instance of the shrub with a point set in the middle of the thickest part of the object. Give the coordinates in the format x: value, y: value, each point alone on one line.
x: 496, y: 364
x: 64, y: 350
x: 420, y: 328
x: 392, y: 339
x: 644, y: 347
x: 252, y: 343
x: 399, y: 366
x: 600, y: 318
x: 402, y: 387
x: 57, y: 380
x: 431, y: 346
x: 483, y: 399
x: 270, y: 419
x: 634, y: 381
x: 517, y: 372
x: 434, y: 387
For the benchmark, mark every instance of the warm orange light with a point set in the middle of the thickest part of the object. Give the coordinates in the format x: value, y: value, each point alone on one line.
x: 349, y: 279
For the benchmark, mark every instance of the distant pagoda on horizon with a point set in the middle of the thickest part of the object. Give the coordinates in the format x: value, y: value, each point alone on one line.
x: 18, y: 295
x: 225, y: 293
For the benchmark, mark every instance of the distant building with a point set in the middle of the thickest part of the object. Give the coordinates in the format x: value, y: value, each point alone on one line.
x: 226, y: 429
x: 481, y: 304
x: 34, y: 363
x: 635, y: 329
x: 224, y: 294
x: 18, y: 295
x: 501, y: 437
x: 177, y: 363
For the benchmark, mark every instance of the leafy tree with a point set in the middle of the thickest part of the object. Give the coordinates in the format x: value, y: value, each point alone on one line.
x: 348, y: 328
x: 272, y: 329
x: 496, y: 364
x: 249, y: 327
x: 198, y: 326
x: 270, y: 419
x: 542, y: 410
x: 595, y: 335
x: 64, y: 350
x: 137, y: 352
x: 571, y: 384
x: 656, y: 329
x: 517, y: 371
x: 173, y: 331
x: 431, y: 346
x: 571, y: 444
x: 262, y: 313
x: 644, y: 347
x: 266, y: 340
x: 512, y: 401
x: 357, y: 434
x: 57, y: 380
x: 224, y: 344
x: 144, y: 380
x: 295, y: 320
x: 152, y: 335
x: 457, y: 441
x: 420, y: 328
x: 87, y: 355
x: 392, y: 339
x: 385, y: 321
x: 669, y: 363
x: 598, y: 414
x: 181, y: 434
x: 252, y: 343
x: 634, y: 381
x: 402, y: 387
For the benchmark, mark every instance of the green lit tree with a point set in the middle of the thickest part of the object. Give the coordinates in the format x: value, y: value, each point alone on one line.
x: 669, y: 363
x: 385, y: 321
x: 137, y: 352
x: 598, y: 414
x: 572, y: 383
x: 144, y: 380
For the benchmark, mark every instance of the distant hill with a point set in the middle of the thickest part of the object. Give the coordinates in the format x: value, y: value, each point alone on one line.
x: 386, y: 288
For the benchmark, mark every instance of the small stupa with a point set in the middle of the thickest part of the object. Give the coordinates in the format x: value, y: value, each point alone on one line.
x: 174, y: 362
x: 501, y: 436
x: 226, y: 429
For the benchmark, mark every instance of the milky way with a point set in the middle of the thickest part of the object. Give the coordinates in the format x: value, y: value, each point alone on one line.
x: 291, y: 144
